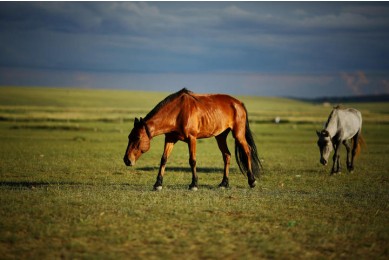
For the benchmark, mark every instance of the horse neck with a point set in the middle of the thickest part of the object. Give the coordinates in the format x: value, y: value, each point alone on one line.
x: 332, y: 124
x: 161, y: 122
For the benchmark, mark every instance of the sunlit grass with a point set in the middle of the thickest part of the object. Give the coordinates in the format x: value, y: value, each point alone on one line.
x: 66, y: 193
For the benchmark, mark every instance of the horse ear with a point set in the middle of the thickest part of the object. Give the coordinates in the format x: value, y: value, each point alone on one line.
x: 136, y: 121
x: 141, y: 120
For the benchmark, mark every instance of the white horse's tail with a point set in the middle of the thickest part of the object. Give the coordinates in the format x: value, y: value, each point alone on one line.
x: 361, y: 143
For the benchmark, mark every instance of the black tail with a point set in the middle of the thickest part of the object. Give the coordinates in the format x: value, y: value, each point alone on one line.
x: 240, y: 155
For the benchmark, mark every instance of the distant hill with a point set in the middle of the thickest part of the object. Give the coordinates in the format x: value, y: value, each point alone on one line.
x: 349, y: 99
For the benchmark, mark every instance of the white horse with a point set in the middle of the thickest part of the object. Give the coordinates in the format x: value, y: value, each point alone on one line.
x: 342, y: 125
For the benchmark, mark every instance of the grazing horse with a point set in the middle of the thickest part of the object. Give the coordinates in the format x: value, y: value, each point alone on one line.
x: 186, y: 116
x: 342, y: 124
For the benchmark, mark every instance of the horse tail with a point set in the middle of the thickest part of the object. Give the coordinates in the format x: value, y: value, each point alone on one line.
x: 361, y: 143
x: 240, y: 155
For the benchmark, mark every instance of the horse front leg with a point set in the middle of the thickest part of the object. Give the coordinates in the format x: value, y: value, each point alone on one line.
x: 168, y: 148
x: 354, y: 151
x: 192, y: 162
x: 348, y: 149
x: 336, y: 162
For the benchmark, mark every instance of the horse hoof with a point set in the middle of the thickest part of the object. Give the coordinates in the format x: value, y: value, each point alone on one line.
x: 252, y: 185
x: 193, y: 188
x: 158, y: 188
x: 223, y: 186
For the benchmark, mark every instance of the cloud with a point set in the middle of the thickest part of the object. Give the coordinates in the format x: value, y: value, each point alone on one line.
x: 224, y: 38
x: 236, y: 11
x: 385, y: 86
x: 355, y: 81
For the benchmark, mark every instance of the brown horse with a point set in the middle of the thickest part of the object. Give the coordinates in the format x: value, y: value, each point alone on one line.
x: 186, y: 116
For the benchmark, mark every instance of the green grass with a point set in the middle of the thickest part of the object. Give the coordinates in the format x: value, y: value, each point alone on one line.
x: 65, y: 192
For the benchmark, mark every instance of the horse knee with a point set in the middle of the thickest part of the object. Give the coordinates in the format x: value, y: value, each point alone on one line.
x: 227, y: 158
x: 192, y: 162
x: 163, y: 160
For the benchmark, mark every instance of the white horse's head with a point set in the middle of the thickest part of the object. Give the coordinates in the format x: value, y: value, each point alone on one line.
x: 325, y: 146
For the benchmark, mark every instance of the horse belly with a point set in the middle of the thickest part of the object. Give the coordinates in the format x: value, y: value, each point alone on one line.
x: 351, y: 124
x: 212, y: 126
x: 208, y: 134
x: 211, y: 115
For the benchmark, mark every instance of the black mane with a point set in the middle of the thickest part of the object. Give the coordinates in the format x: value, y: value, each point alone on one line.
x: 165, y: 101
x: 332, y: 114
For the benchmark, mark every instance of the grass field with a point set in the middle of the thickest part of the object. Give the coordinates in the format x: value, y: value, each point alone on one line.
x: 66, y: 193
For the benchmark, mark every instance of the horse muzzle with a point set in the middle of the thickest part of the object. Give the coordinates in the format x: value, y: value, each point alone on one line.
x: 128, y: 162
x: 323, y: 161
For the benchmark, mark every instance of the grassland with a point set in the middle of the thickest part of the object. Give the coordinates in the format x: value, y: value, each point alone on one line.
x: 65, y: 192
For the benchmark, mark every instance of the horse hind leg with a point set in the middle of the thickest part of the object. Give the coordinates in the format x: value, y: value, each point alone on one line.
x: 243, y: 157
x: 222, y: 144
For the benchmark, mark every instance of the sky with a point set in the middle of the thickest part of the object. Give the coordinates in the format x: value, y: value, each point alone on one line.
x: 289, y: 49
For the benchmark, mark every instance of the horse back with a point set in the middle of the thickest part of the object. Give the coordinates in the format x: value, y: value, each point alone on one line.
x: 209, y: 115
x: 350, y: 121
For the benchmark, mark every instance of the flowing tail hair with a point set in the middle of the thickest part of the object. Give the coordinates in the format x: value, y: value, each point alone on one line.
x: 361, y: 143
x: 240, y: 155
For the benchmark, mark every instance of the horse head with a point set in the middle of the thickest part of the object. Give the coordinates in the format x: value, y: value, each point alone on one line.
x: 138, y: 142
x: 325, y: 145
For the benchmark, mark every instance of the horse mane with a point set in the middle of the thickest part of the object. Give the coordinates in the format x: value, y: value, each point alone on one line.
x: 330, y: 116
x: 165, y: 101
x: 337, y: 107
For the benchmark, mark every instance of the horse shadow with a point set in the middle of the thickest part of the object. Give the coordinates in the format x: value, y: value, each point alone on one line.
x: 42, y: 184
x: 24, y: 184
x: 185, y: 169
x: 37, y: 185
